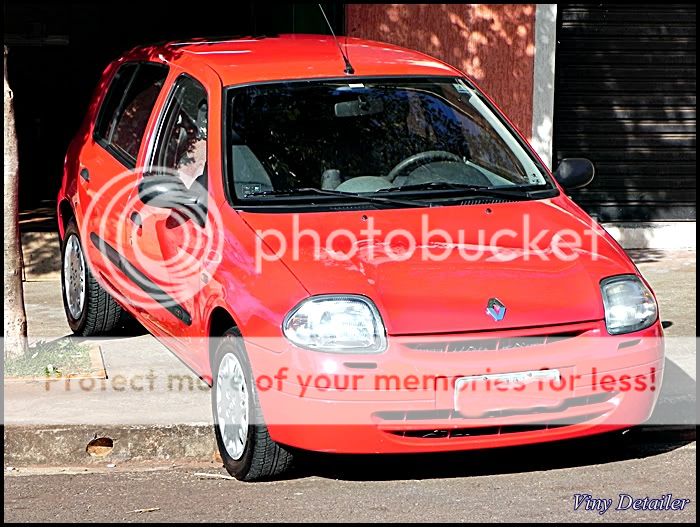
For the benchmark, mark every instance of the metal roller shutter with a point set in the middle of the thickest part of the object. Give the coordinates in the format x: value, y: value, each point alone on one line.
x: 625, y: 98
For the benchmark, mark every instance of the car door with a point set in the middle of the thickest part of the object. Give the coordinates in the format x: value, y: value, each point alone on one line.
x: 170, y: 245
x: 108, y: 166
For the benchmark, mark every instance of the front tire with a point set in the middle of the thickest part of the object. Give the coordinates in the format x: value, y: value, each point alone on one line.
x: 248, y: 452
x: 90, y: 310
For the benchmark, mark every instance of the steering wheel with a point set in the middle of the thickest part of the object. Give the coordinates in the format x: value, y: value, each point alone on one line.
x: 418, y: 160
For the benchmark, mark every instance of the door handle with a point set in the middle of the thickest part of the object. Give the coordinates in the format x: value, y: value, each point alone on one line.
x: 85, y: 174
x: 135, y: 217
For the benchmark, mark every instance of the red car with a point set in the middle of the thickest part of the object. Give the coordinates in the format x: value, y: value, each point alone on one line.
x: 355, y: 248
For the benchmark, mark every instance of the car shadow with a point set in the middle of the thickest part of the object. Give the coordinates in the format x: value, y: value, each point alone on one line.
x: 640, y: 256
x: 671, y: 426
x: 677, y: 403
x: 130, y: 329
x: 638, y: 443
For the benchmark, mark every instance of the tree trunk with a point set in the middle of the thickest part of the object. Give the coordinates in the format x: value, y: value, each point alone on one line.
x: 15, y: 316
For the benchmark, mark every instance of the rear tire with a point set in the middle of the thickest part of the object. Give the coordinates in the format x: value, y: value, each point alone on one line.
x: 248, y: 452
x: 90, y: 310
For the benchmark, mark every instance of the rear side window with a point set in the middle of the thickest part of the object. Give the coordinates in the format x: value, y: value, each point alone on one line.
x: 112, y: 100
x: 127, y: 107
x: 182, y: 146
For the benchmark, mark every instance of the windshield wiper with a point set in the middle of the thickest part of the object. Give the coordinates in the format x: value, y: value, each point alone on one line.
x: 351, y: 195
x: 504, y: 192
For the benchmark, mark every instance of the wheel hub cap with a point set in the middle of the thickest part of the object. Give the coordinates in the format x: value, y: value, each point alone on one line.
x: 232, y: 405
x: 74, y: 276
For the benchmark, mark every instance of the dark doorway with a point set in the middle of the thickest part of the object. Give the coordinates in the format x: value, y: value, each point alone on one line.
x: 58, y: 51
x: 625, y: 97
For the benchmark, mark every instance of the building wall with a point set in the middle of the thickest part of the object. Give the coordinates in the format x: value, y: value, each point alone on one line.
x: 493, y: 44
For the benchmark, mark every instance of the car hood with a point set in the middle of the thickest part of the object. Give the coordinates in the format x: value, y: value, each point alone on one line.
x: 450, y: 292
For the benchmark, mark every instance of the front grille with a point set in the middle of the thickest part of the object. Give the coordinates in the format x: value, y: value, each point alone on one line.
x: 427, y: 415
x: 492, y: 344
x: 486, y: 201
x: 451, y: 433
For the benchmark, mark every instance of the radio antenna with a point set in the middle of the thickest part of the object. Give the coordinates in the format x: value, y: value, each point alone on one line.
x: 348, y: 67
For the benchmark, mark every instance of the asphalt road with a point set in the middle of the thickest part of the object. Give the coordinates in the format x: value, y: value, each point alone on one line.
x: 523, y: 484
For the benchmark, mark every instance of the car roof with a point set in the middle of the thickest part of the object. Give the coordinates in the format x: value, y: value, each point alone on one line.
x: 287, y: 57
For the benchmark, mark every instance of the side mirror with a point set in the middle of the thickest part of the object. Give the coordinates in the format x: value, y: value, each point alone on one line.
x: 169, y: 192
x: 574, y: 172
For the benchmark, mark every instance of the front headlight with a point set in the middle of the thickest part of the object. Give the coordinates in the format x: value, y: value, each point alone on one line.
x: 338, y: 324
x: 629, y: 305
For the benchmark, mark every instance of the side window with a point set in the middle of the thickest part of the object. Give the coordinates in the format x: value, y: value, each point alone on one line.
x: 121, y: 125
x: 182, y: 141
x: 112, y: 101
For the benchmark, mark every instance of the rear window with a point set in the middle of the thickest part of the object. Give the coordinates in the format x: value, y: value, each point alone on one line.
x: 127, y: 107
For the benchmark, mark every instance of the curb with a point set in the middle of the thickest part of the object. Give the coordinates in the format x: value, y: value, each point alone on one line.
x: 654, y: 235
x: 27, y: 446
x: 66, y: 445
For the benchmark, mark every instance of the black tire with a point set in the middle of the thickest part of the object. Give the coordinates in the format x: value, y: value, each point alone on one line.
x: 100, y: 313
x: 262, y: 458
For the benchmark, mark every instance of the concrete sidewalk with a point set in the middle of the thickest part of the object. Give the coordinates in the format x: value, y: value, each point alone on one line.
x: 155, y: 407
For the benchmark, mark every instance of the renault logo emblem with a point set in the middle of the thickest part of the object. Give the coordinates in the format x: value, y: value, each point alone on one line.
x: 496, y: 309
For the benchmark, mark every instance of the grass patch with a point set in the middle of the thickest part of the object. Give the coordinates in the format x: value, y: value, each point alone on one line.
x: 54, y: 359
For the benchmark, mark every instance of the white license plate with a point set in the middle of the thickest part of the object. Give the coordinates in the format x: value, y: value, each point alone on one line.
x: 505, y: 390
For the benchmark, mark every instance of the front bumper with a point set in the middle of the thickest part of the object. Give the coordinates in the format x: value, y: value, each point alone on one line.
x: 403, y: 400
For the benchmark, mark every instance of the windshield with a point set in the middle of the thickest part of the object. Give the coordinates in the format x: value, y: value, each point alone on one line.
x: 289, y: 140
